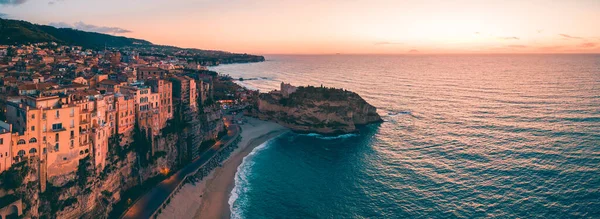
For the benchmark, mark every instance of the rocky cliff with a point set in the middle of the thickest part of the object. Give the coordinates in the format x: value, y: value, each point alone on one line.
x: 316, y: 109
x: 88, y: 193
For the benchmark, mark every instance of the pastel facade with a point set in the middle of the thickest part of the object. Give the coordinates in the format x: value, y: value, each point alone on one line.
x: 6, y: 160
x: 144, y: 73
x: 125, y: 116
x: 164, y: 102
x: 46, y: 128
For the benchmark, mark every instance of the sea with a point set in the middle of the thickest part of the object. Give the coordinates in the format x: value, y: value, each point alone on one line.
x: 464, y: 136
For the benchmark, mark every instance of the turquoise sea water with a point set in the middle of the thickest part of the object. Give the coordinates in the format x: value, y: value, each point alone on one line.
x: 464, y: 137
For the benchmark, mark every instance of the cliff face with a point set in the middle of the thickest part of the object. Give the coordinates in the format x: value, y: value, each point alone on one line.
x: 320, y: 110
x: 88, y: 193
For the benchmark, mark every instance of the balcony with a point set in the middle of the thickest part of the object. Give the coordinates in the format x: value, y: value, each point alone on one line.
x: 59, y: 130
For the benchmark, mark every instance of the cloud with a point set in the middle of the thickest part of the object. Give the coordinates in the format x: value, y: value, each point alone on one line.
x: 386, y: 43
x: 476, y: 33
x: 517, y: 46
x: 90, y: 27
x: 12, y: 2
x: 540, y: 30
x: 413, y: 51
x: 509, y: 38
x: 52, y: 2
x: 567, y: 36
x: 3, y: 15
x: 587, y: 45
x: 550, y: 48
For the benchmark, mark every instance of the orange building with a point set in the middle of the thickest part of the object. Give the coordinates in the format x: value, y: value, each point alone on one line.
x: 164, y: 90
x: 144, y: 73
x: 125, y: 116
x: 185, y: 91
x: 6, y: 159
x: 46, y: 128
x: 144, y: 110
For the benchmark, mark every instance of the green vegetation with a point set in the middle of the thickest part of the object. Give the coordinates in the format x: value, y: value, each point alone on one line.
x: 82, y: 171
x: 114, y: 146
x: 13, y: 177
x: 15, y: 32
x: 141, y: 144
x: 51, y: 196
x: 8, y: 199
x: 22, y: 32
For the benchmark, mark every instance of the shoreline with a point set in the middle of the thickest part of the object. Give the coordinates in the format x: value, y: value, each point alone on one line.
x: 209, y: 197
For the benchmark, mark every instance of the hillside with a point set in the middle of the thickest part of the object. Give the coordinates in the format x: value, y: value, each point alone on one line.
x: 14, y: 32
x: 22, y: 32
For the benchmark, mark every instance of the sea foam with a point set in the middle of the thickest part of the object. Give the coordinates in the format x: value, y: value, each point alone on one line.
x: 242, y: 184
x: 319, y: 136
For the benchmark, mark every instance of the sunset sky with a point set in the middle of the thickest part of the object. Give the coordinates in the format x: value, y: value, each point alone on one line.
x: 333, y: 26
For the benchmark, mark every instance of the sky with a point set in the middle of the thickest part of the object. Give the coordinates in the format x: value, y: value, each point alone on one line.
x: 333, y: 26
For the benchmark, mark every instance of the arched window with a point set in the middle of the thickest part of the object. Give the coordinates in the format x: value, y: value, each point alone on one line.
x: 21, y: 142
x: 56, y: 147
x: 21, y: 153
x: 32, y: 140
x: 32, y: 151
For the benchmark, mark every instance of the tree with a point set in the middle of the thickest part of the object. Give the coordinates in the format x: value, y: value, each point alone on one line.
x: 141, y: 143
x: 83, y: 172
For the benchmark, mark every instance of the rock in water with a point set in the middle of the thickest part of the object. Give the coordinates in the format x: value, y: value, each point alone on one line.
x: 316, y: 109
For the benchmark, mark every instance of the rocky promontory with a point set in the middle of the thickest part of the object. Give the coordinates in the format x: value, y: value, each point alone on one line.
x: 316, y: 109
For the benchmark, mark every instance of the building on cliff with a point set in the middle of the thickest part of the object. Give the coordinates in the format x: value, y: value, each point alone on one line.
x: 287, y: 89
x: 144, y: 73
x: 5, y: 146
x: 45, y: 128
x: 185, y: 92
x: 164, y: 89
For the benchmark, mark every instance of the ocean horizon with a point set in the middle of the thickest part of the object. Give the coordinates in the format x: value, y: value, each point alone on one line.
x: 464, y: 136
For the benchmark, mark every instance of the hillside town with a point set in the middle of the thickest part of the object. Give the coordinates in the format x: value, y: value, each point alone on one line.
x: 62, y: 105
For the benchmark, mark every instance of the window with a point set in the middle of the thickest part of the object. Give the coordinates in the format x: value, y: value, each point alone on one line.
x: 56, y: 147
x: 72, y: 134
x: 32, y: 116
x: 56, y: 137
x: 57, y: 126
x: 72, y: 112
x: 57, y: 113
x: 21, y: 142
x: 72, y: 123
x: 1, y: 140
x: 32, y: 128
x: 44, y: 128
x: 44, y: 115
x: 32, y: 140
x: 44, y: 138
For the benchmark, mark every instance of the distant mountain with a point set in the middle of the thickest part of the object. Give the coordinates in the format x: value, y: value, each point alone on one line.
x: 22, y: 32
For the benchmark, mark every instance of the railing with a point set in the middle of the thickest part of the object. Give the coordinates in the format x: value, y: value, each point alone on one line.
x: 164, y: 204
x: 59, y: 130
x: 186, y: 178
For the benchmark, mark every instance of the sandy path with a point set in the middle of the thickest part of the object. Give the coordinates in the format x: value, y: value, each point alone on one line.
x: 208, y: 198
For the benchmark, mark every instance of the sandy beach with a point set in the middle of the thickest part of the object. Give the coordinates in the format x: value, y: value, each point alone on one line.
x: 208, y: 198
